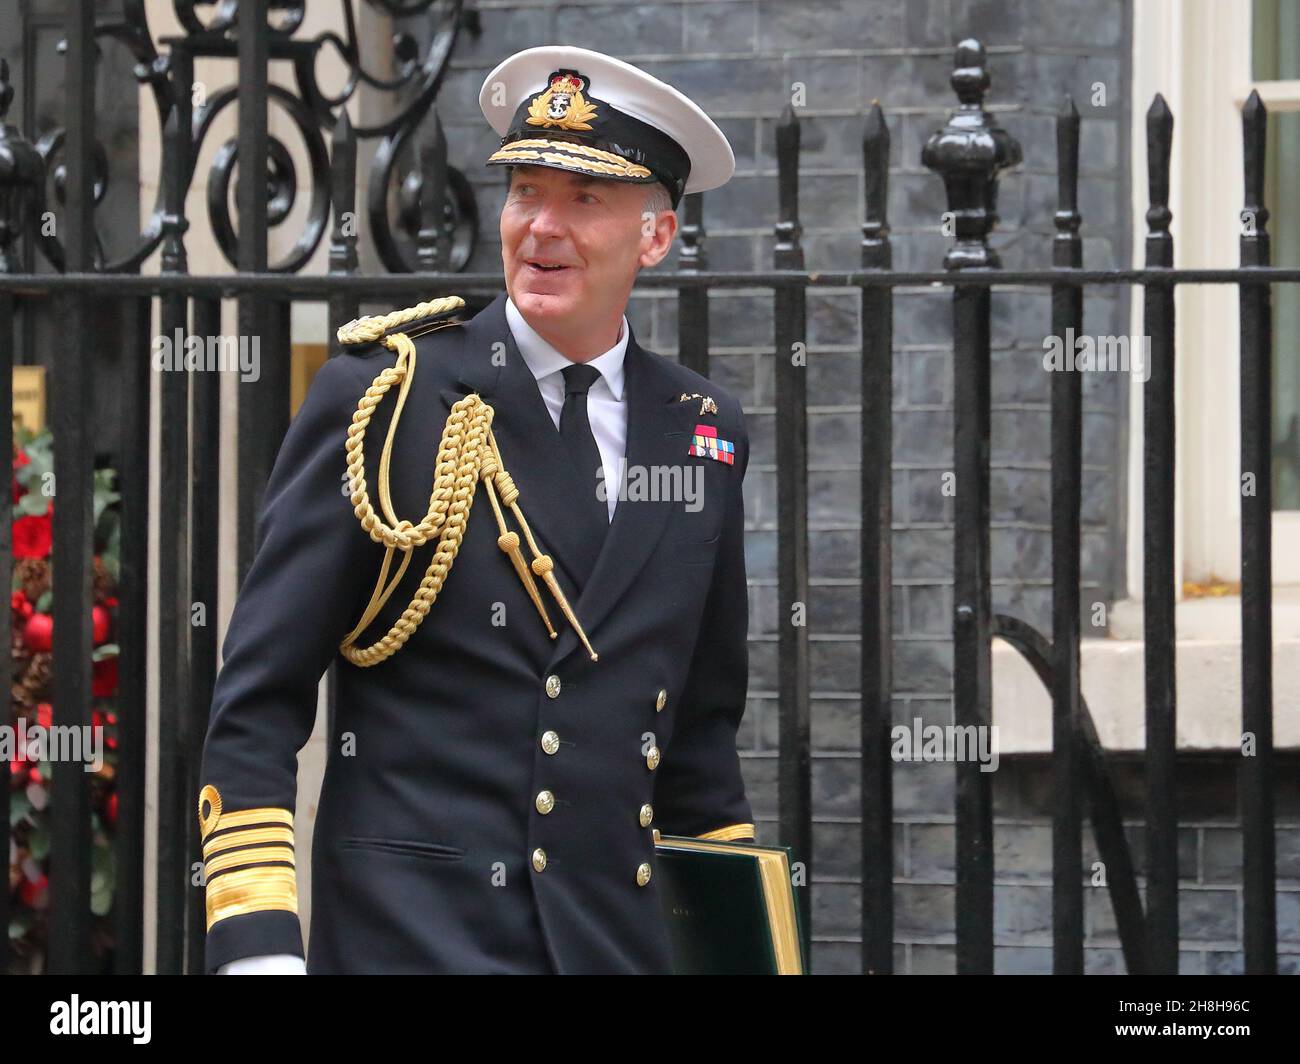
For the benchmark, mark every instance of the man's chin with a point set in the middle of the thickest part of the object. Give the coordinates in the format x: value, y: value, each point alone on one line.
x: 546, y: 304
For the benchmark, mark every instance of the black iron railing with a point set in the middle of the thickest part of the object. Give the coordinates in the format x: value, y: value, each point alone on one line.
x: 968, y: 155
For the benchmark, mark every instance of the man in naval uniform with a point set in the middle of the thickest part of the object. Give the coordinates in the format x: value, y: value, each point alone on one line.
x: 495, y: 785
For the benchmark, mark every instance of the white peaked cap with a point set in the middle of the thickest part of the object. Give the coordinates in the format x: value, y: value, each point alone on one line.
x: 604, y: 117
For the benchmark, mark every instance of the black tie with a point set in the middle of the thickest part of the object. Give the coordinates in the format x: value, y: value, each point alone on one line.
x: 575, y: 430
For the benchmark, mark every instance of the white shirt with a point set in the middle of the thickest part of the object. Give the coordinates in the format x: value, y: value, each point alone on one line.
x: 606, y: 404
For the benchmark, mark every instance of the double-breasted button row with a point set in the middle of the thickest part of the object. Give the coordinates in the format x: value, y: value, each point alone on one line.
x: 550, y: 743
x: 545, y: 800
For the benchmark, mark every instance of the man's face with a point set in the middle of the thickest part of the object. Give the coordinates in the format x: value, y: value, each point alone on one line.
x: 593, y: 228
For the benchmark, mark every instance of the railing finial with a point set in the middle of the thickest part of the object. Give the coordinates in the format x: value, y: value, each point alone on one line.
x: 1160, y: 136
x: 1254, y: 215
x: 970, y: 77
x: 875, y: 170
x: 968, y: 153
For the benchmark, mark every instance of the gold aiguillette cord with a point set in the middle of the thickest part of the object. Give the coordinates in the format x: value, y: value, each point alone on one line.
x: 467, y: 454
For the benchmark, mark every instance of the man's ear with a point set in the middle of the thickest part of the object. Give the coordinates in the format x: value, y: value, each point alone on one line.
x: 657, y: 255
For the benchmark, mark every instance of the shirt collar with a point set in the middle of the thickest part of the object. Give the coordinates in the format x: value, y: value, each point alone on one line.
x: 543, y: 359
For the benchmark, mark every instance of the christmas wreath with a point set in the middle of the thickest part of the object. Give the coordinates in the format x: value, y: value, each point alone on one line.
x: 30, y: 773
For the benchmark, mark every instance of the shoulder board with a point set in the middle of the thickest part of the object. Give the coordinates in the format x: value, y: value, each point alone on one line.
x: 363, y: 336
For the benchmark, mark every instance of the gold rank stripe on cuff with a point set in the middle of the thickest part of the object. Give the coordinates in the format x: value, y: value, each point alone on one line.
x: 222, y: 841
x: 251, y: 890
x: 244, y: 818
x: 253, y: 856
x: 248, y: 858
x: 730, y: 833
x: 250, y: 870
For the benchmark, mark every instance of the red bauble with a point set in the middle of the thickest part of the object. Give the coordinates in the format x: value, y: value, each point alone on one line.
x: 38, y: 635
x: 100, y: 622
x: 44, y: 714
x: 110, y: 810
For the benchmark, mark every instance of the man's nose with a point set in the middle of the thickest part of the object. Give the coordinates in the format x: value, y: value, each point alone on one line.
x: 549, y: 219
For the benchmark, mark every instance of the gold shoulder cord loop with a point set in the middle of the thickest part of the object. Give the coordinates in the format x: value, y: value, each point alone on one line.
x: 467, y: 454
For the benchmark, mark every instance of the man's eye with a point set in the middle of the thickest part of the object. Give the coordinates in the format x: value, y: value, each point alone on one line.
x: 589, y: 196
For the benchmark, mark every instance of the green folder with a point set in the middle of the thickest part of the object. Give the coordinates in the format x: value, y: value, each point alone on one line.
x: 729, y: 907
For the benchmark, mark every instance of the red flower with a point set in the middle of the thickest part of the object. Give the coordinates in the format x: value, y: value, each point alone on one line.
x: 21, y: 459
x: 32, y: 536
x: 22, y: 605
x: 103, y: 681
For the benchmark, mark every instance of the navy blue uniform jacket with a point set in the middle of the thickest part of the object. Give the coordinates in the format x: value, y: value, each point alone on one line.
x: 424, y: 855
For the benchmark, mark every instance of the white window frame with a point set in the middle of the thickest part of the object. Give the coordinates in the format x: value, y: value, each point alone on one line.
x: 1197, y: 53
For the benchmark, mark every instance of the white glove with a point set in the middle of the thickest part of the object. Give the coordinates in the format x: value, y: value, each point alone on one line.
x: 268, y: 964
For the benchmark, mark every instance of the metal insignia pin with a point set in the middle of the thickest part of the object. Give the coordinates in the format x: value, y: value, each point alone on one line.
x: 707, y: 405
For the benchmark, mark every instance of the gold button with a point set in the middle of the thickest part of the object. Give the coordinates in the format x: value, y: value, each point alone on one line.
x: 642, y: 874
x: 553, y: 686
x: 661, y: 701
x: 647, y: 815
x: 652, y: 758
x: 550, y: 742
x: 539, y: 859
x: 545, y: 802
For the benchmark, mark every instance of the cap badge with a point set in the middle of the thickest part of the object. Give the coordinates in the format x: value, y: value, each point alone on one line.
x: 562, y: 104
